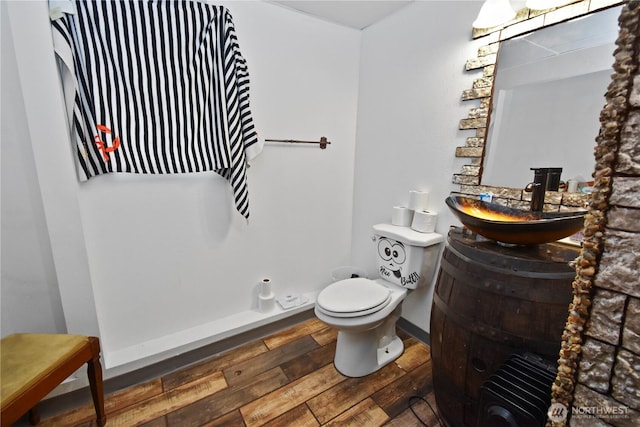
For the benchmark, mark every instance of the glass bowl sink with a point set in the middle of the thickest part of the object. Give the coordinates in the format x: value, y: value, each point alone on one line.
x: 515, y: 226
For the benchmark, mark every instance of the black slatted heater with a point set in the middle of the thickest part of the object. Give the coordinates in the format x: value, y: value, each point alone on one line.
x: 518, y: 394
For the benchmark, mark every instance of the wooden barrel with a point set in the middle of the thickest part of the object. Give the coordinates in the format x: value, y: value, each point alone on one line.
x: 491, y: 301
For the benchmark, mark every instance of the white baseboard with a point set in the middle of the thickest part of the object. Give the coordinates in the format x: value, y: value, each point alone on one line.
x: 134, y: 357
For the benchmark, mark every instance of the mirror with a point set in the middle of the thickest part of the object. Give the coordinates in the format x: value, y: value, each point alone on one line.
x: 548, y: 92
x: 509, y: 191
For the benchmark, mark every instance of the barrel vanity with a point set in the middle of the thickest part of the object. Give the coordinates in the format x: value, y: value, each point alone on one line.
x: 493, y: 301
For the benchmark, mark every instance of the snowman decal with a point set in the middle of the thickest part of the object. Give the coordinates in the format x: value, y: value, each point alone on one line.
x: 394, y: 256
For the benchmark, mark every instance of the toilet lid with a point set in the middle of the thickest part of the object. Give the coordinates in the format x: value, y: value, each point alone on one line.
x: 353, y: 297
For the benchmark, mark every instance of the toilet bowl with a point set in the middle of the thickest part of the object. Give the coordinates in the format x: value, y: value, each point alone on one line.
x: 367, y: 337
x: 365, y: 311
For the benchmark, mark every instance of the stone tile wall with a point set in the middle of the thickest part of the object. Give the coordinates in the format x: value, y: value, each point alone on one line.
x: 608, y: 375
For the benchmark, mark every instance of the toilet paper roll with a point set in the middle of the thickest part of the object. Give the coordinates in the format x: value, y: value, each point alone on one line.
x: 418, y: 200
x: 424, y: 221
x: 266, y: 298
x: 265, y: 288
x: 401, y: 216
x: 572, y: 186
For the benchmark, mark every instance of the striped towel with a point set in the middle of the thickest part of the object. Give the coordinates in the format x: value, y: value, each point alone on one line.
x: 157, y: 87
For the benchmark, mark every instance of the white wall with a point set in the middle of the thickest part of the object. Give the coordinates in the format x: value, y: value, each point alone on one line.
x: 411, y: 80
x: 154, y: 262
x: 30, y: 296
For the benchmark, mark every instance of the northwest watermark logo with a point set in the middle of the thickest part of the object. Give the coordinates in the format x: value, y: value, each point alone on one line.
x: 558, y: 412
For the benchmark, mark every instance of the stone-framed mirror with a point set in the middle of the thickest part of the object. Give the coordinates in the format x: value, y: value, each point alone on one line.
x: 478, y: 175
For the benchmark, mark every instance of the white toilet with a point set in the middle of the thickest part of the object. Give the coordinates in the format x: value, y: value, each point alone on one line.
x: 365, y: 311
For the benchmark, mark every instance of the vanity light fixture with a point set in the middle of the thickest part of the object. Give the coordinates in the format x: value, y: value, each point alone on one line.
x: 494, y: 13
x: 546, y: 4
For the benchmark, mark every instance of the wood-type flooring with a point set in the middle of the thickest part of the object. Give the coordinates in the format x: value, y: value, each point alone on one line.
x: 286, y: 379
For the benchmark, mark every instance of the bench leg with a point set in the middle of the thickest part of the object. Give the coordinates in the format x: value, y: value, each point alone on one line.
x: 34, y: 416
x: 94, y: 371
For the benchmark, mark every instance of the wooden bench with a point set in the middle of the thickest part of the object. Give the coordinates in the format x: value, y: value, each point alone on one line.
x: 34, y: 364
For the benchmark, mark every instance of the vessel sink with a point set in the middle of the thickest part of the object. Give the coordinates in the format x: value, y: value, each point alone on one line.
x: 514, y: 226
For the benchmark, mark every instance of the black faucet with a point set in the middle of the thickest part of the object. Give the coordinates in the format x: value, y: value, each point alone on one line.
x: 543, y: 179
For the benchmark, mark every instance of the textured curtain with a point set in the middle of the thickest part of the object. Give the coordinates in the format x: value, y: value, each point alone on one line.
x: 156, y: 87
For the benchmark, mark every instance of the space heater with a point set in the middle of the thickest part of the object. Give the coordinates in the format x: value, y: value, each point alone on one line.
x: 518, y: 394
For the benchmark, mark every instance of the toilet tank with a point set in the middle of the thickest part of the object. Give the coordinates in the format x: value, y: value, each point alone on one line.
x: 406, y: 257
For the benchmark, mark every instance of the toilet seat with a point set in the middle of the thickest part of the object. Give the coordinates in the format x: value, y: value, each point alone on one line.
x: 353, y: 297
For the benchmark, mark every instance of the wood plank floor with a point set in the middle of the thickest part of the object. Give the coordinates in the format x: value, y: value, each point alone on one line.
x: 286, y: 379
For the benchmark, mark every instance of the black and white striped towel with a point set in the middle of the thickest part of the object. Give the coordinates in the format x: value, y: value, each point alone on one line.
x: 158, y: 87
